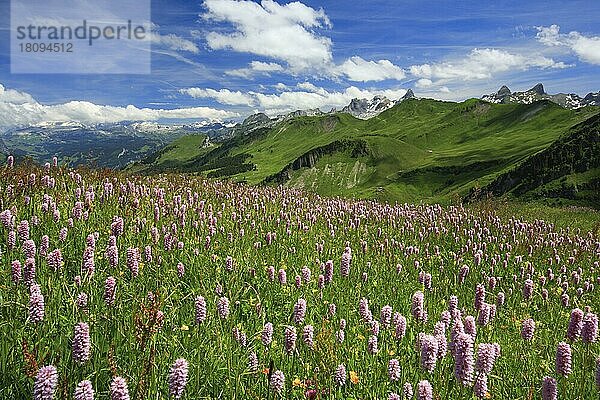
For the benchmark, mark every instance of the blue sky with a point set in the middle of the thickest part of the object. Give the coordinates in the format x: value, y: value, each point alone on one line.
x: 226, y: 59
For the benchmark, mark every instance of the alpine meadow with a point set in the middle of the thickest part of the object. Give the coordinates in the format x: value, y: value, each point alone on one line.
x: 306, y: 200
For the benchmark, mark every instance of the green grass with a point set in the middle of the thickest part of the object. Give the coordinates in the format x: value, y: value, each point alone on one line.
x: 564, y: 216
x: 585, y: 192
x: 185, y: 148
x: 126, y: 342
x: 420, y: 134
x: 180, y: 151
x: 419, y: 150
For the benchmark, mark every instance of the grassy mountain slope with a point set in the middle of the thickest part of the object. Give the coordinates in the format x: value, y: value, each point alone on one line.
x: 420, y: 149
x: 179, y: 151
x: 567, y: 169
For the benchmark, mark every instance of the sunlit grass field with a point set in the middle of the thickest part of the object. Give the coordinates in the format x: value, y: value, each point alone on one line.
x: 261, y: 250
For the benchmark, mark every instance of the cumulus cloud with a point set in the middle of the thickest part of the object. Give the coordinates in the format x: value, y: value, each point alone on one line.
x: 19, y: 108
x: 265, y: 67
x: 481, y: 64
x: 587, y: 48
x: 14, y: 96
x: 359, y: 70
x: 292, y: 35
x: 424, y: 83
x: 286, y: 33
x: 282, y: 32
x: 281, y: 86
x: 223, y: 96
x: 310, y: 87
x: 256, y: 68
x: 549, y: 36
x: 169, y: 41
x: 307, y: 96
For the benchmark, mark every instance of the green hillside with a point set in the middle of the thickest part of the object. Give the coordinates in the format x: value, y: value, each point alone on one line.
x: 567, y: 169
x: 180, y: 151
x: 420, y: 149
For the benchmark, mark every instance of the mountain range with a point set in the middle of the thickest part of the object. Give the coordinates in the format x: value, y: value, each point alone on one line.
x: 415, y: 150
x: 113, y: 145
x: 116, y: 145
x: 537, y: 93
x: 529, y: 144
x: 365, y: 108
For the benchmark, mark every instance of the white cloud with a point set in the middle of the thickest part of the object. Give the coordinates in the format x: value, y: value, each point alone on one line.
x: 255, y: 68
x: 424, y: 83
x: 359, y: 70
x: 19, y: 108
x: 14, y: 96
x: 481, y: 64
x: 309, y: 87
x: 586, y: 48
x: 174, y: 42
x: 287, y: 33
x: 223, y: 96
x: 549, y: 36
x: 282, y: 32
x: 308, y: 96
x: 265, y: 67
x: 429, y: 86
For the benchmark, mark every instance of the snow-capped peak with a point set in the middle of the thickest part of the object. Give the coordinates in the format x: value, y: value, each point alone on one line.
x: 570, y: 100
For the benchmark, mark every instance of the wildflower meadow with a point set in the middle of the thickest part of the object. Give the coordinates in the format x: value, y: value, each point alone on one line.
x: 121, y: 287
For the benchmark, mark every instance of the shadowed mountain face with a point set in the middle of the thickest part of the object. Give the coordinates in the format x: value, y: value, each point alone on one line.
x: 418, y: 149
x: 568, y: 168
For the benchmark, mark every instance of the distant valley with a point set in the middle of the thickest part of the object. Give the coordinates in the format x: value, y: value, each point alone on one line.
x: 114, y: 145
x: 528, y: 144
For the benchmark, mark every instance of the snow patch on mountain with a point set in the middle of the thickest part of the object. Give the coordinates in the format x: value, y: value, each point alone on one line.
x: 568, y: 100
x: 369, y: 108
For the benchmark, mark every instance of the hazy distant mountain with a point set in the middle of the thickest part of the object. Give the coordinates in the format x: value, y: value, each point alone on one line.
x: 113, y: 145
x: 302, y: 113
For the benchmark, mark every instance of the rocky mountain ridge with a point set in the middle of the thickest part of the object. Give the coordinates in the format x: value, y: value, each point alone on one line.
x: 571, y: 101
x: 358, y: 108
